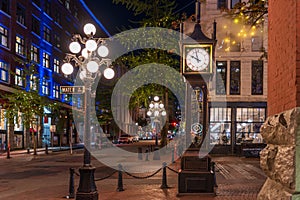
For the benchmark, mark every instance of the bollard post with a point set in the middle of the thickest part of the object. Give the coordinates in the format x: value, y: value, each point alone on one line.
x: 173, y: 155
x: 164, y: 177
x: 147, y: 154
x: 71, y: 186
x: 214, y: 172
x: 120, y: 179
x: 140, y: 155
x: 28, y: 150
x: 156, y: 155
x: 46, y: 149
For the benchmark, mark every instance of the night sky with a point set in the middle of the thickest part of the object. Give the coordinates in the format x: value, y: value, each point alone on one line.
x: 114, y: 17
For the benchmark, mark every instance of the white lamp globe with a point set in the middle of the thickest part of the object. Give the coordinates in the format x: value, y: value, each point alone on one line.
x: 161, y: 105
x: 103, y: 51
x: 109, y: 73
x: 82, y: 74
x: 74, y: 47
x: 85, y: 53
x: 149, y: 113
x: 156, y: 98
x: 92, y: 66
x: 156, y: 113
x: 67, y: 68
x: 151, y: 105
x: 163, y: 113
x: 156, y: 105
x: 91, y: 45
x: 89, y: 29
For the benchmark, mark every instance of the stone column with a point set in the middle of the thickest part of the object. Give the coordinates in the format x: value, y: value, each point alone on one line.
x: 280, y: 160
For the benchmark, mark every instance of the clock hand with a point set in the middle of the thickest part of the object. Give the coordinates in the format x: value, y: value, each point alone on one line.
x: 198, y: 60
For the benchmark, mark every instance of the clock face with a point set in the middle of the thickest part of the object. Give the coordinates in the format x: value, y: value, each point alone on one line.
x: 197, y: 59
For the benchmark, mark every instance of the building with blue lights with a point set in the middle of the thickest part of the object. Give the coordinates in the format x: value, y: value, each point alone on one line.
x: 39, y: 32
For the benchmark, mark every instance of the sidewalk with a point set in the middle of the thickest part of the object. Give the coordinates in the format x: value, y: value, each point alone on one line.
x: 46, y: 177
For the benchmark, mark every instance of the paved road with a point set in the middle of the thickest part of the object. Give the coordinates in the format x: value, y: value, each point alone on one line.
x: 46, y: 177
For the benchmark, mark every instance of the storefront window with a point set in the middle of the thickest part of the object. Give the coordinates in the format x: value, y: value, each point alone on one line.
x: 220, y: 126
x: 248, y: 123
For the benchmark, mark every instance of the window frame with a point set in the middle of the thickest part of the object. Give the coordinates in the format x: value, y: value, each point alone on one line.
x: 20, y: 46
x: 4, y: 36
x: 4, y: 68
x: 36, y: 25
x: 47, y: 33
x: 254, y: 84
x: 34, y: 53
x: 232, y: 78
x: 21, y: 14
x: 223, y: 81
x: 19, y: 77
x: 46, y: 60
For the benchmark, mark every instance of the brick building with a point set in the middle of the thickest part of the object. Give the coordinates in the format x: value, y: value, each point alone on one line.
x: 40, y: 32
x: 237, y: 93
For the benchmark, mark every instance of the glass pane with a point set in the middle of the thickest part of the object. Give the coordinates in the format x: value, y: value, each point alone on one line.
x: 235, y: 77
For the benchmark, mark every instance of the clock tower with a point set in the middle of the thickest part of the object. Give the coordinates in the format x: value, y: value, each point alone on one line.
x: 196, y: 65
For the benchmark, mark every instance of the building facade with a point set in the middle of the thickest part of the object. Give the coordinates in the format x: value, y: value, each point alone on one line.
x: 237, y: 92
x: 39, y: 32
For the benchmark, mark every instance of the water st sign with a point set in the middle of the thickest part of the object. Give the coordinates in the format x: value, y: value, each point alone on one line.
x: 72, y: 89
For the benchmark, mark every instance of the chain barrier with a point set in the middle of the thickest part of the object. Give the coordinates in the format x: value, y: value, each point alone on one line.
x: 142, y: 177
x: 100, y: 179
x: 172, y: 170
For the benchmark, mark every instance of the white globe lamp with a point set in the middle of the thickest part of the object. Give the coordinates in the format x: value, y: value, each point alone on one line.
x: 67, y: 68
x: 75, y: 47
x: 85, y: 53
x: 109, y: 73
x: 89, y: 29
x: 103, y: 51
x: 91, y: 45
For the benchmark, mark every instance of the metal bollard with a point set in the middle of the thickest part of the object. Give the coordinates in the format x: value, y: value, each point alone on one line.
x: 140, y: 155
x: 120, y: 179
x: 164, y: 177
x: 46, y: 149
x: 147, y: 154
x: 28, y: 150
x: 214, y: 172
x: 173, y: 155
x: 71, y: 186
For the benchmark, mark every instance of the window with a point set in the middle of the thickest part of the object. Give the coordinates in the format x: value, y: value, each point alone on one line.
x: 231, y: 43
x: 221, y: 77
x: 37, y: 2
x: 34, y: 82
x: 19, y: 81
x: 220, y: 126
x: 57, y: 16
x: 34, y: 53
x: 20, y: 14
x: 46, y: 60
x: 4, y: 6
x: 47, y: 35
x: 20, y: 45
x: 56, y: 41
x: 235, y: 77
x: 249, y: 121
x: 3, y: 71
x: 222, y: 4
x: 257, y: 77
x: 3, y: 36
x: 48, y: 7
x: 67, y: 4
x: 56, y: 93
x: 257, y: 43
x: 234, y: 2
x: 56, y: 64
x: 45, y: 86
x: 36, y: 25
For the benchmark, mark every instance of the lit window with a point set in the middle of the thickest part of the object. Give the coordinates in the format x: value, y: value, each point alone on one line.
x: 45, y: 86
x: 235, y: 77
x: 46, y: 60
x: 257, y: 77
x: 56, y: 93
x: 47, y: 34
x: 221, y: 77
x: 56, y: 64
x: 34, y: 82
x: 20, y: 45
x: 34, y: 53
x: 19, y: 81
x: 3, y: 36
x: 20, y: 14
x: 4, y: 71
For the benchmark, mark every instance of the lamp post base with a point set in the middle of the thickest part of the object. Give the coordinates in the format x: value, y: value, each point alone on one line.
x: 87, y: 189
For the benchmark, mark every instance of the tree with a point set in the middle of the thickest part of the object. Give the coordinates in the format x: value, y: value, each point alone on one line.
x: 153, y: 13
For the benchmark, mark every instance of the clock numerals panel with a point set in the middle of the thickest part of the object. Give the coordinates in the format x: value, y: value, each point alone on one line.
x: 197, y: 59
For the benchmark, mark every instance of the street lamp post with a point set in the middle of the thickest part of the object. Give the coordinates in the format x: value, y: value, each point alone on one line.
x: 88, y: 63
x: 156, y: 110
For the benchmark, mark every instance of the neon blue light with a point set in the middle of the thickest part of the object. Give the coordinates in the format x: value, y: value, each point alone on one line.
x: 94, y: 18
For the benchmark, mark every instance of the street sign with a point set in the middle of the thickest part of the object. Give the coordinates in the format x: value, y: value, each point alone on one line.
x: 72, y: 89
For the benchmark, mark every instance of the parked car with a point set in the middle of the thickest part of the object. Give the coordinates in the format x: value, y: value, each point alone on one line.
x: 125, y: 138
x: 136, y: 138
